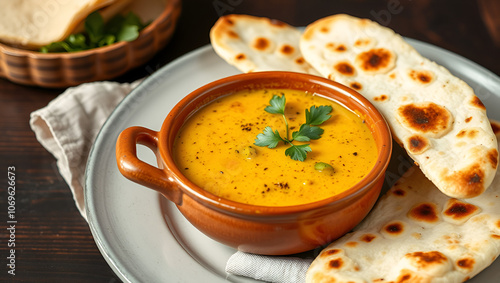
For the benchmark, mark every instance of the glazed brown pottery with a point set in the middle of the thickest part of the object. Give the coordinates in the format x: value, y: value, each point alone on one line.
x: 250, y: 228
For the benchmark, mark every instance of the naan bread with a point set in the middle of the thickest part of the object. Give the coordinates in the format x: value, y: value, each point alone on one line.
x: 434, y: 115
x: 35, y: 23
x: 254, y: 44
x: 415, y: 233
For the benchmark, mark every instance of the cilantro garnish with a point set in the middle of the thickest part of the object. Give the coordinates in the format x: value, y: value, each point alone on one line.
x: 98, y: 34
x: 315, y: 116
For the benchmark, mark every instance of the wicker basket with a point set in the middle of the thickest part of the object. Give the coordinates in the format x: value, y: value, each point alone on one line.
x: 57, y: 70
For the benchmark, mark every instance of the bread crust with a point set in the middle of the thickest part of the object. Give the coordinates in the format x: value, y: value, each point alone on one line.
x: 31, y: 24
x: 415, y: 233
x: 434, y: 115
x: 254, y: 44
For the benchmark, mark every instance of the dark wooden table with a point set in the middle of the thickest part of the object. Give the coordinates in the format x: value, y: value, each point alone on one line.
x: 54, y: 243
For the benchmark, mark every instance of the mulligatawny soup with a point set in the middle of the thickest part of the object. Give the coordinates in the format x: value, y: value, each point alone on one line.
x: 215, y: 150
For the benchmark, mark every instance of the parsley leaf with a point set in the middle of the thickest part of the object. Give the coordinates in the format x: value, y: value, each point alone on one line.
x: 128, y: 33
x: 77, y: 41
x: 298, y: 152
x: 134, y: 20
x: 94, y: 26
x: 307, y: 133
x: 318, y: 115
x: 315, y: 116
x: 60, y: 46
x: 277, y: 105
x: 98, y: 34
x: 268, y: 138
x: 107, y: 40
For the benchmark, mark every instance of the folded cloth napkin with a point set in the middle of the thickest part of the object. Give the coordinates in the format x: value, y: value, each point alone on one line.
x: 67, y: 128
x: 267, y: 268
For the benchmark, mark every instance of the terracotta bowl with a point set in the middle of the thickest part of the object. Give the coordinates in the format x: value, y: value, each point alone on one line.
x: 251, y: 228
x: 57, y: 70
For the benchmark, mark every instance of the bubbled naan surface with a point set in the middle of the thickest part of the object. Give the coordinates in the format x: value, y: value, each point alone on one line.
x: 415, y: 233
x: 436, y: 116
x: 254, y: 44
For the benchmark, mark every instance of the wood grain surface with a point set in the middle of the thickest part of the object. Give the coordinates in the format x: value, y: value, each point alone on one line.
x: 54, y: 243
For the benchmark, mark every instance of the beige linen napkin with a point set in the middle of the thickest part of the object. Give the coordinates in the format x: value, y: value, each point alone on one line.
x: 67, y: 128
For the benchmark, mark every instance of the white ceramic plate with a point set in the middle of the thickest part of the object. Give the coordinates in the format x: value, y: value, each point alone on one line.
x: 142, y: 236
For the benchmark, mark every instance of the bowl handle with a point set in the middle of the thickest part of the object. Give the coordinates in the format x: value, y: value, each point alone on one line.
x: 139, y: 171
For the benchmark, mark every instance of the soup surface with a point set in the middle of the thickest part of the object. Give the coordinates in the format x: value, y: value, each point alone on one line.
x: 215, y: 150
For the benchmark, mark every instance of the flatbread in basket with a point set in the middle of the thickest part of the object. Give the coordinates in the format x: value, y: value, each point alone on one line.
x: 31, y: 24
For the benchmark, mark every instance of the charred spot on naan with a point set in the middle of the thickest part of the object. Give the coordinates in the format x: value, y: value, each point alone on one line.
x: 417, y: 144
x: 424, y: 212
x: 458, y: 212
x: 406, y: 276
x: 227, y: 20
x: 393, y: 229
x: 351, y: 244
x: 336, y: 263
x: 345, y: 68
x: 368, y: 238
x: 335, y: 47
x: 355, y: 85
x: 366, y: 42
x: 476, y: 102
x: 321, y: 277
x: 240, y: 57
x: 286, y: 50
x: 331, y: 252
x: 470, y: 181
x: 399, y: 192
x: 339, y: 263
x: 495, y: 126
x: 324, y: 29
x: 432, y: 263
x: 421, y: 77
x: 262, y: 44
x: 300, y: 60
x: 232, y: 34
x: 492, y: 156
x: 466, y: 264
x: 427, y: 118
x: 381, y: 98
x: 488, y: 158
x: 376, y: 61
x: 469, y: 133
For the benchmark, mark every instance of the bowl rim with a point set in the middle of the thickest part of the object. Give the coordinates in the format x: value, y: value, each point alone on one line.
x: 170, y: 6
x: 232, y: 207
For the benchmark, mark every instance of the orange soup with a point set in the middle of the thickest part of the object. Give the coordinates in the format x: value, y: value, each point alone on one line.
x: 215, y: 150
